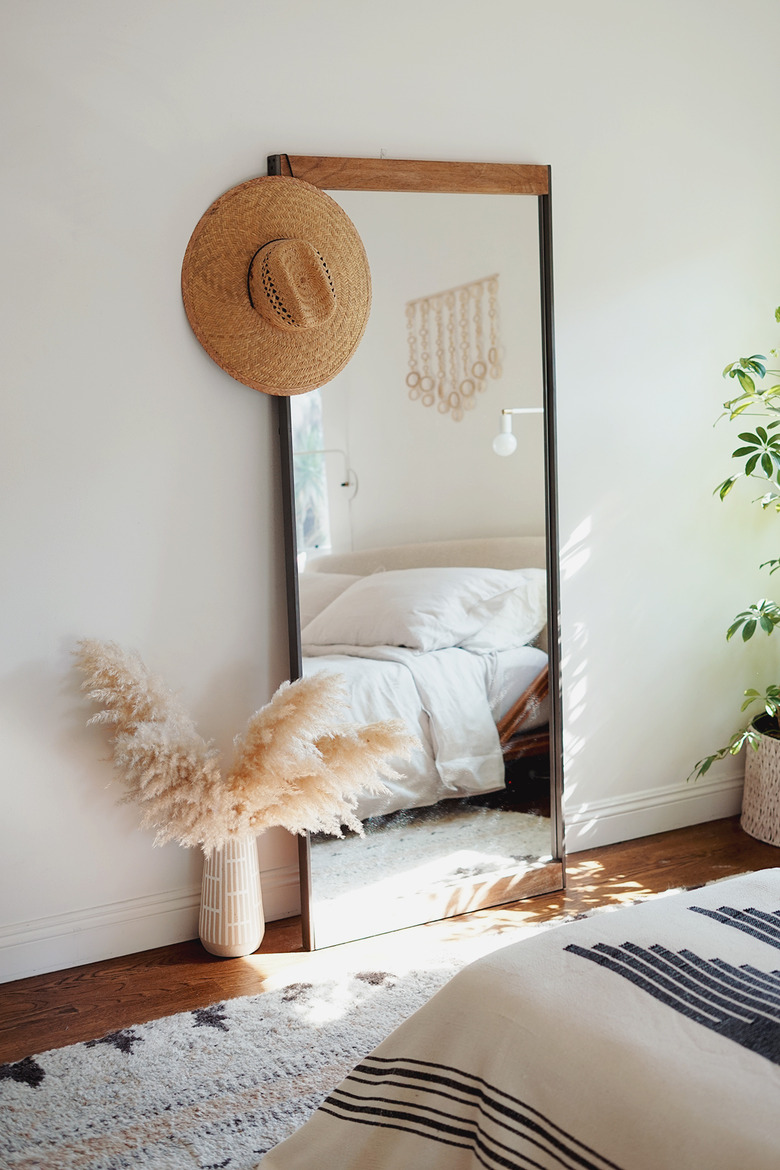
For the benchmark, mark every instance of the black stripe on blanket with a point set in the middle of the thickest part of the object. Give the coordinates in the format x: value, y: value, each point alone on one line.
x: 502, y: 1132
x: 739, y: 1003
x: 765, y: 927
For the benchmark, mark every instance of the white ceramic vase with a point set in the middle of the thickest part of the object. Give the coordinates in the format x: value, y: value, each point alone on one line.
x: 231, y: 903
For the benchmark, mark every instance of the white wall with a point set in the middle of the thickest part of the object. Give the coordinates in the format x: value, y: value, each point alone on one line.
x: 138, y: 482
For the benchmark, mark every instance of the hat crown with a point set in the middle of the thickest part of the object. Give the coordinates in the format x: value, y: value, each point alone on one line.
x: 290, y: 286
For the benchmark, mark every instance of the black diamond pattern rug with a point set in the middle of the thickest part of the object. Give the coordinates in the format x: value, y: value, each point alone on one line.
x: 215, y: 1088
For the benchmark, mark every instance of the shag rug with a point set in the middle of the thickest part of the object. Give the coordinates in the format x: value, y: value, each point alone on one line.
x: 214, y: 1089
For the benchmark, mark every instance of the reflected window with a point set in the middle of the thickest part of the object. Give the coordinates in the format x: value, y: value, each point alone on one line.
x: 312, y: 518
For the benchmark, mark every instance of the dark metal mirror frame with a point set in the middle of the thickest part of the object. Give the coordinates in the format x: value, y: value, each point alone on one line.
x: 363, y: 174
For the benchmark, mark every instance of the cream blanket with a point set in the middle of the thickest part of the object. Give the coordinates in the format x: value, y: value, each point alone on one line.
x: 645, y: 1039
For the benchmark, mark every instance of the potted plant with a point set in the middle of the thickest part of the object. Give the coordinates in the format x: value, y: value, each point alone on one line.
x: 759, y: 455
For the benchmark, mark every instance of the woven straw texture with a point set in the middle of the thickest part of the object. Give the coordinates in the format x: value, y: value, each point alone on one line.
x: 761, y: 795
x: 250, y: 348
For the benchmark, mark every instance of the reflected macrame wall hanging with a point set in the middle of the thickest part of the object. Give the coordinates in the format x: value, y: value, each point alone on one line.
x: 449, y: 360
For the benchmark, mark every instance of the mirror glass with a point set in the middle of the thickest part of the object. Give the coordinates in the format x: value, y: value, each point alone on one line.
x: 422, y: 565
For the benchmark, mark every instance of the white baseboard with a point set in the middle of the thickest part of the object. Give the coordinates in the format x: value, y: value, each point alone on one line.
x: 122, y: 928
x: 656, y: 810
x: 139, y: 924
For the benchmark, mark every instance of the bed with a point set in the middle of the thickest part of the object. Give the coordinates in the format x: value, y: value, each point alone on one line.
x: 448, y: 636
x: 642, y: 1039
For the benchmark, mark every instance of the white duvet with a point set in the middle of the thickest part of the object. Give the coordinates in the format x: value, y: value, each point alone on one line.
x: 443, y: 698
x: 443, y: 649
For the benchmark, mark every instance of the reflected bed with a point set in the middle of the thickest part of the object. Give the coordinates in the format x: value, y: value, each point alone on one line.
x: 446, y: 636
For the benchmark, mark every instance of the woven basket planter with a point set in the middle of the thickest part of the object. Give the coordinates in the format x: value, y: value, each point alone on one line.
x: 761, y: 795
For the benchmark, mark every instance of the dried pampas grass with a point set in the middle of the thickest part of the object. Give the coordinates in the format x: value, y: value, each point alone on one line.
x: 297, y: 765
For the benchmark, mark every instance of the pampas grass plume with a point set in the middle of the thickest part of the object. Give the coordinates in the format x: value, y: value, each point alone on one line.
x: 298, y: 765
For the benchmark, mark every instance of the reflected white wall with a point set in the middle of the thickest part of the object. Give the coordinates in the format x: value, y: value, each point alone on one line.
x: 423, y: 475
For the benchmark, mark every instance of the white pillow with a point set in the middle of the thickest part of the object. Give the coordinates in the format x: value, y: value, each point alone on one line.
x: 514, y: 618
x: 316, y: 590
x: 424, y: 609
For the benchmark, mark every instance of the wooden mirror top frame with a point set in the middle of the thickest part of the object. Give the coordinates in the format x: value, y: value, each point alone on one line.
x: 402, y: 175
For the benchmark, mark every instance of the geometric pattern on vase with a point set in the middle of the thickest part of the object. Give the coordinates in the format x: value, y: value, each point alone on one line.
x: 761, y: 794
x: 231, y: 919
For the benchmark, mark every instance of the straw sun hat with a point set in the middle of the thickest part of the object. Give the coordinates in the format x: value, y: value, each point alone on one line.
x: 276, y: 285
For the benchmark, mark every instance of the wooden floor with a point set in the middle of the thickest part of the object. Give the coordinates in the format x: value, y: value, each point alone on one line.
x: 49, y: 1011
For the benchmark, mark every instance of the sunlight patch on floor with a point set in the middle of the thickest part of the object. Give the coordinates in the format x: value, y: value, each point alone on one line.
x: 472, y: 935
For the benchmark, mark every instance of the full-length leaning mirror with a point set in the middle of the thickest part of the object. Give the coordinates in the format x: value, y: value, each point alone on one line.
x: 422, y: 548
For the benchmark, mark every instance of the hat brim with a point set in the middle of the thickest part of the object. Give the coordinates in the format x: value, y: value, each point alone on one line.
x: 216, y: 298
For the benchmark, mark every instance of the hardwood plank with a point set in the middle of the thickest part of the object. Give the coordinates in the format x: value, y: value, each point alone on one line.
x: 81, y: 1003
x: 48, y: 1011
x: 394, y: 174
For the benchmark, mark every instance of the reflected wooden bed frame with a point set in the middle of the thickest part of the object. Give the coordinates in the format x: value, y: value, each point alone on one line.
x: 516, y: 743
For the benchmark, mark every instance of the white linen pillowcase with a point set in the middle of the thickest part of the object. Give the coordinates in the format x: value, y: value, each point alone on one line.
x: 422, y: 609
x: 317, y: 590
x: 514, y: 618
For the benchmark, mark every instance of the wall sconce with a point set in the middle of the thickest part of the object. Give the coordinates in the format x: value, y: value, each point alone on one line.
x: 350, y: 479
x: 505, y: 442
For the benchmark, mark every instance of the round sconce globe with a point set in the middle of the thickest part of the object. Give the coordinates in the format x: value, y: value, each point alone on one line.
x: 505, y: 444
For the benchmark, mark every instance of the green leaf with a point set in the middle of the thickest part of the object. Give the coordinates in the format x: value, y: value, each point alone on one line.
x: 748, y: 630
x: 777, y: 313
x: 750, y: 466
x: 767, y: 466
x: 749, y: 437
x: 728, y: 369
x: 745, y: 381
x: 724, y: 488
x: 761, y: 434
x: 705, y: 764
x: 742, y: 451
